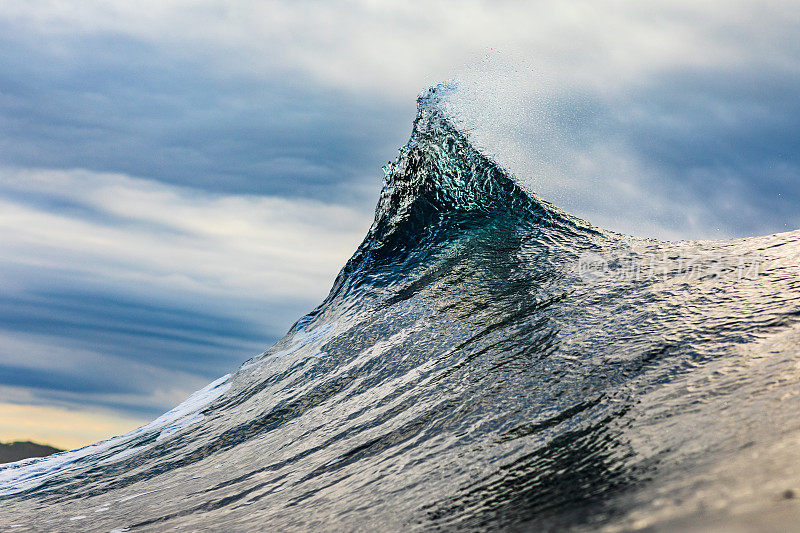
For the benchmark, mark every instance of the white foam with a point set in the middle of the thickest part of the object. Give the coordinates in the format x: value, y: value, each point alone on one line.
x: 186, y: 413
x: 179, y: 425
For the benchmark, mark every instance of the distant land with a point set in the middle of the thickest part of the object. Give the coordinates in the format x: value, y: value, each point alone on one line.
x: 16, y: 451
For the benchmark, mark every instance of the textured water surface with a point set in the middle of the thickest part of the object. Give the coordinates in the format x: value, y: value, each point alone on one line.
x: 484, y: 361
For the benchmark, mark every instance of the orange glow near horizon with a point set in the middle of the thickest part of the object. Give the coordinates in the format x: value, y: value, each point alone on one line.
x: 56, y: 426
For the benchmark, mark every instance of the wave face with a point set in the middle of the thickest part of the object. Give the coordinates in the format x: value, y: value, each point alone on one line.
x: 483, y: 361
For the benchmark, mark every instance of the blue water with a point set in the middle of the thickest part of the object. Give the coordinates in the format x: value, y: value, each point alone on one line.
x: 483, y: 361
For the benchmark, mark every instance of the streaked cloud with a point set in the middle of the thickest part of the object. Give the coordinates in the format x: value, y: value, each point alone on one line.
x: 393, y: 47
x: 112, y: 103
x: 104, y: 274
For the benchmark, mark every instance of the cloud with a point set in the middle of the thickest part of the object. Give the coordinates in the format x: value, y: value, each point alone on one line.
x: 278, y: 244
x: 392, y: 47
x: 105, y: 274
x: 112, y: 103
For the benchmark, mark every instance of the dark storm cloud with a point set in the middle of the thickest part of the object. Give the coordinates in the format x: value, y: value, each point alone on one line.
x: 116, y: 104
x: 106, y: 336
x: 138, y: 330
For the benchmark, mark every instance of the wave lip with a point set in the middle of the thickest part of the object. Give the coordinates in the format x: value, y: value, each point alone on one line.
x: 438, y: 188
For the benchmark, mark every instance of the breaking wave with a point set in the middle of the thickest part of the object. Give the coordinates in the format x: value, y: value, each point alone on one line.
x: 483, y: 361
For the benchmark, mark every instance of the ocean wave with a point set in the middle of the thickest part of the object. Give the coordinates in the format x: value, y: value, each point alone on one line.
x: 484, y: 360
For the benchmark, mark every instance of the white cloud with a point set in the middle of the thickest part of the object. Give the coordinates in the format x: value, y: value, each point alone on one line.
x: 169, y: 237
x: 517, y: 61
x: 398, y: 47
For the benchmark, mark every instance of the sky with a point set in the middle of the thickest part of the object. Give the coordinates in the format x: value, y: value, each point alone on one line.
x: 181, y: 180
